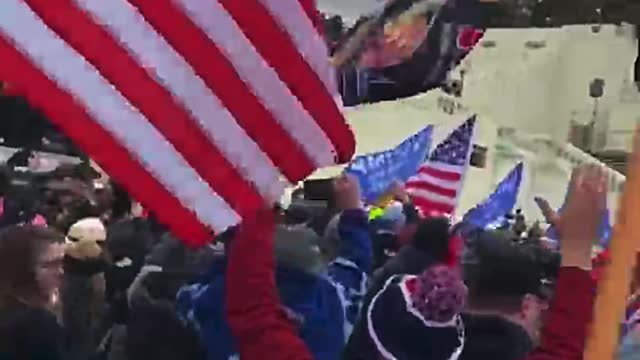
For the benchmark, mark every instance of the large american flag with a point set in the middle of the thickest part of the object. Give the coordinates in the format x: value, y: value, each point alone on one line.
x: 204, y: 109
x: 436, y: 186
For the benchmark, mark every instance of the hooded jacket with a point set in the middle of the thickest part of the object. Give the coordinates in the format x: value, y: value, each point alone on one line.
x: 493, y: 337
x: 323, y: 307
x: 83, y: 287
x: 311, y: 300
x: 154, y: 330
x: 255, y: 314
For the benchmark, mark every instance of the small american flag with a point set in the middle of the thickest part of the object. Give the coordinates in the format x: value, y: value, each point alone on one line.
x: 436, y: 186
x: 204, y: 110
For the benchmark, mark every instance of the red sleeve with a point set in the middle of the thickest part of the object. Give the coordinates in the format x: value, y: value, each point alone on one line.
x: 254, y: 312
x: 564, y: 334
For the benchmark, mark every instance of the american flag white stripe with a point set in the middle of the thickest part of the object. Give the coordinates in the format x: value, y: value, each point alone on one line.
x: 154, y: 101
x: 435, y: 191
x: 422, y: 178
x: 171, y: 70
x: 433, y: 196
x: 112, y: 111
x: 215, y: 21
x: 282, y: 53
x: 219, y: 74
x: 290, y: 14
x: 173, y: 111
x: 437, y: 185
x: 455, y: 170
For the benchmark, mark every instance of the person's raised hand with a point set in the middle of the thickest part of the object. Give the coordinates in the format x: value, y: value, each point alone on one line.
x: 347, y: 191
x: 578, y: 223
x: 399, y: 192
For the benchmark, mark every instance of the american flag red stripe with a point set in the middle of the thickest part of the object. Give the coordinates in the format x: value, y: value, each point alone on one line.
x: 436, y: 186
x: 220, y: 76
x: 276, y: 47
x: 424, y: 185
x: 435, y: 189
x: 183, y: 102
x: 432, y: 208
x: 444, y: 175
x: 152, y: 99
x: 111, y: 154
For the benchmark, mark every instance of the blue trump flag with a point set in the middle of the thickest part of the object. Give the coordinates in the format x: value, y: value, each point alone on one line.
x: 498, y: 204
x: 376, y: 172
x: 604, y: 230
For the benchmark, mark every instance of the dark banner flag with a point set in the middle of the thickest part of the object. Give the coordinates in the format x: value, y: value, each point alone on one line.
x: 411, y: 52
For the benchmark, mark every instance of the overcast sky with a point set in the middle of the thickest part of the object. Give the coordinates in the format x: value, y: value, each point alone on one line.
x: 351, y: 9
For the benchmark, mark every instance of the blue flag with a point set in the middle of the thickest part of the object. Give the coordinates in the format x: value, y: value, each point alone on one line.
x: 604, y: 230
x: 376, y: 172
x: 498, y: 204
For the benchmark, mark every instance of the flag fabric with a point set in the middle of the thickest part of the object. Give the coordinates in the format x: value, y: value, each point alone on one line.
x: 377, y: 172
x: 605, y: 228
x: 203, y: 110
x: 604, y: 231
x: 436, y: 186
x: 414, y: 48
x: 498, y: 204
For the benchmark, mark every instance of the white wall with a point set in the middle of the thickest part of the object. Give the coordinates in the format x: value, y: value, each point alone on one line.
x: 540, y: 90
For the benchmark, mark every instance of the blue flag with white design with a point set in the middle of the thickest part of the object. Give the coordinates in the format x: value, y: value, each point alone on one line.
x: 376, y: 172
x: 498, y: 204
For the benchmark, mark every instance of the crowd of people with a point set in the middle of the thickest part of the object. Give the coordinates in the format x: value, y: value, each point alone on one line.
x: 291, y: 283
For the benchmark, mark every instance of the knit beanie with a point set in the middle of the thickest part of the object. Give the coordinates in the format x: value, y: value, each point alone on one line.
x: 439, y: 294
x: 418, y: 317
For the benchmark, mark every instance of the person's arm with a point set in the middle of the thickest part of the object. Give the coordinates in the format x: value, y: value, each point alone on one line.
x: 348, y: 272
x: 410, y: 212
x: 355, y: 244
x: 255, y: 315
x: 399, y: 192
x: 563, y: 336
x: 565, y: 333
x: 355, y: 241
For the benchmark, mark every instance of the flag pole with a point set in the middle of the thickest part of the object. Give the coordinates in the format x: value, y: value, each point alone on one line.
x: 614, y: 288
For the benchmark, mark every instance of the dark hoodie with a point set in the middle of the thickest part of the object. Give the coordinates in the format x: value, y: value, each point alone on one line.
x: 492, y: 337
x: 428, y: 247
x: 498, y: 267
x: 82, y: 300
x: 29, y: 333
x: 154, y: 331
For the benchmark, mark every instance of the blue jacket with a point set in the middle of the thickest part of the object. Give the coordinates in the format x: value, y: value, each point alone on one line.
x: 312, y: 299
x: 326, y: 307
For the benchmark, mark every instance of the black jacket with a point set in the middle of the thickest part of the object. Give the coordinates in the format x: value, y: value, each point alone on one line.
x: 82, y: 305
x: 495, y: 338
x: 29, y: 333
x: 154, y: 330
